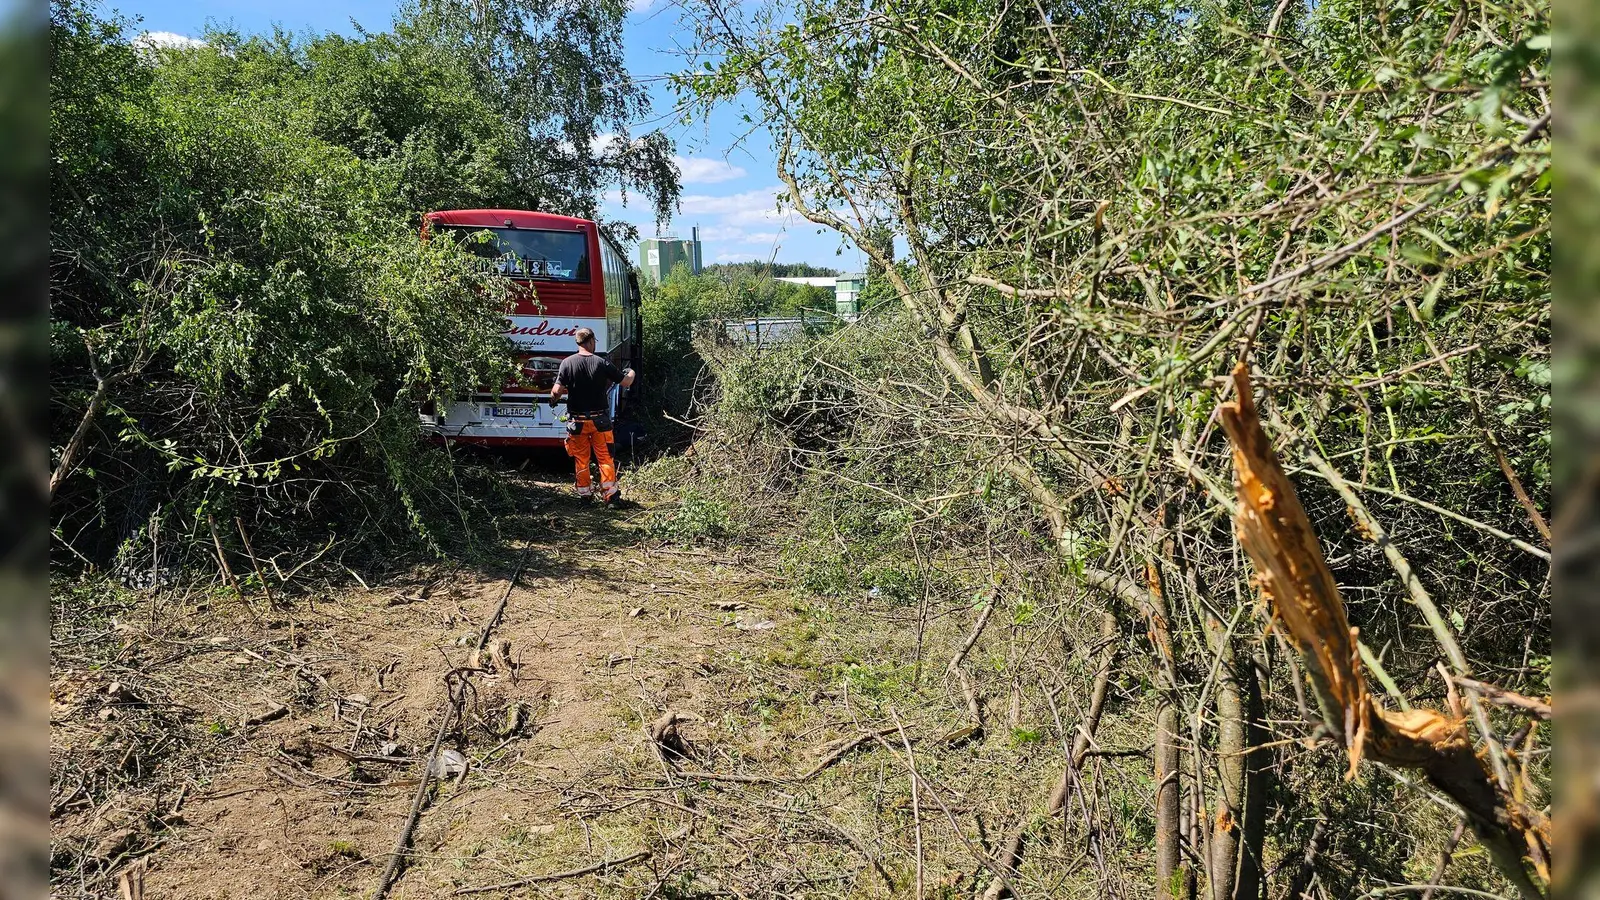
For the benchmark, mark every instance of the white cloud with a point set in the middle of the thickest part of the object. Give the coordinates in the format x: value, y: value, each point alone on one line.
x: 757, y: 207
x: 165, y: 40
x: 706, y: 170
x: 642, y: 6
x: 742, y: 225
x: 733, y: 234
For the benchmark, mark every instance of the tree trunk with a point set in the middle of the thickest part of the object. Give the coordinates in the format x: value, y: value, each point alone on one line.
x: 1170, y: 872
x: 1257, y: 768
x: 1230, y: 789
x: 80, y: 435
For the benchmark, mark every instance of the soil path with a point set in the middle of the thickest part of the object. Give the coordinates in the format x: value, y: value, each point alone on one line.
x: 606, y: 630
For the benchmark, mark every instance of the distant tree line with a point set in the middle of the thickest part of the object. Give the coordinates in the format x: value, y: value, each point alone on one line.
x: 673, y: 308
x: 758, y: 269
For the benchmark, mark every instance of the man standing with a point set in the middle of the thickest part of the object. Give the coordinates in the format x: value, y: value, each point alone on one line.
x: 585, y: 379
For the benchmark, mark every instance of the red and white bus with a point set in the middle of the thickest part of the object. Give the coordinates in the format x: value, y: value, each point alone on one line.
x: 568, y: 275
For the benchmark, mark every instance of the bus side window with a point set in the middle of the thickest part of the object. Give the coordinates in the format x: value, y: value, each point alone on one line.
x: 616, y: 304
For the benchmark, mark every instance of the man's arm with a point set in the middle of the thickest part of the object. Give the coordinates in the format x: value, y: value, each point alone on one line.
x: 623, y: 377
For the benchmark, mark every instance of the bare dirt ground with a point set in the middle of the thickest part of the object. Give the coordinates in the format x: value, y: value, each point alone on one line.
x: 204, y: 749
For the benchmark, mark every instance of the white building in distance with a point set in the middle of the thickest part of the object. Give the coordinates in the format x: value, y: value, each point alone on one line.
x: 846, y: 290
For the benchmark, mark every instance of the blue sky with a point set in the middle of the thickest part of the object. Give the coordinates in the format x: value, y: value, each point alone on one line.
x: 729, y: 184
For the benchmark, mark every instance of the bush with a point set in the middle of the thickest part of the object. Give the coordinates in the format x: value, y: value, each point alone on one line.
x: 697, y: 518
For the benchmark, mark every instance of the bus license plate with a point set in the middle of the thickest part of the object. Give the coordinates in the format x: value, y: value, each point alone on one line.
x: 515, y: 412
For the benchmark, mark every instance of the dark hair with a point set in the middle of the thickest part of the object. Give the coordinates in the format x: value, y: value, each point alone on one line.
x: 583, y: 336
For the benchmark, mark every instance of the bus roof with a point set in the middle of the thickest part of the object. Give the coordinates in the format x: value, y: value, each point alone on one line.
x: 497, y: 218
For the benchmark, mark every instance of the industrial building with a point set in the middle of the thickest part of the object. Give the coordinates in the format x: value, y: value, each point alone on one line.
x: 846, y: 290
x: 659, y: 256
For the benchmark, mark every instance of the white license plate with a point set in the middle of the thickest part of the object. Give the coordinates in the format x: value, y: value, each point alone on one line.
x: 514, y: 412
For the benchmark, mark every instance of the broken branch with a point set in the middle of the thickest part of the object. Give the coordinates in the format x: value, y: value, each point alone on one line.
x: 1293, y: 576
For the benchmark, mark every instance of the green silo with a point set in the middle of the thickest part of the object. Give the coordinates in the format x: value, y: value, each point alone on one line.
x: 659, y: 256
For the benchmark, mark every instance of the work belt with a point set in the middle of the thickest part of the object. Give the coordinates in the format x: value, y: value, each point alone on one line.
x: 601, y: 420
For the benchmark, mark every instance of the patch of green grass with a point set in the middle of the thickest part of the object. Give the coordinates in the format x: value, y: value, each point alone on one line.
x: 818, y: 570
x: 1024, y: 611
x: 346, y: 849
x: 1021, y: 736
x: 814, y: 614
x: 879, y: 681
x: 787, y: 658
x: 698, y: 517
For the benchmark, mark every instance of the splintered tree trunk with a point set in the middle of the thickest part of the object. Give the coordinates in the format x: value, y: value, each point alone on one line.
x: 1294, y: 578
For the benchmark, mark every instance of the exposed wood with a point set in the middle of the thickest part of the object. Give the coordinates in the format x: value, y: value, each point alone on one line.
x: 666, y: 738
x: 1294, y: 578
x: 1501, y: 697
x: 130, y: 882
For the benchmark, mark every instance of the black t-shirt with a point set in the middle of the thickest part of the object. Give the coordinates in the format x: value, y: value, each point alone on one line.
x: 587, y: 379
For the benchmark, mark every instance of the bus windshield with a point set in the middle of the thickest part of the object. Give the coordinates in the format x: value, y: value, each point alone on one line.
x: 528, y: 252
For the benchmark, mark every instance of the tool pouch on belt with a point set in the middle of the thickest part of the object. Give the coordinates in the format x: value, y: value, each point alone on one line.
x: 602, y: 422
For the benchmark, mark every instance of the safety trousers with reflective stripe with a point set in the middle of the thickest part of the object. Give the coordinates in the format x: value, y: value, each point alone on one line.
x: 579, y: 447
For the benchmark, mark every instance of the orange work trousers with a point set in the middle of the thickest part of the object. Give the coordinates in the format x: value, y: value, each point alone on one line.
x: 579, y: 446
